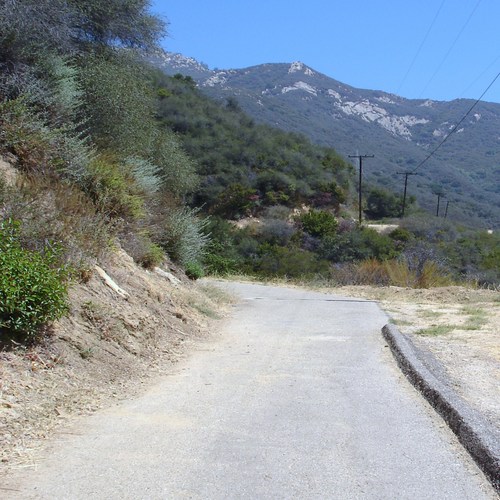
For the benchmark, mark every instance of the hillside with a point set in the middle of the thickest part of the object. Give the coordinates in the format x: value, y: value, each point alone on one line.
x: 399, y: 132
x: 246, y: 165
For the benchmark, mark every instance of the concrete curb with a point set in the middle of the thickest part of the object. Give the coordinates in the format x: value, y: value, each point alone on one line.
x: 471, y: 428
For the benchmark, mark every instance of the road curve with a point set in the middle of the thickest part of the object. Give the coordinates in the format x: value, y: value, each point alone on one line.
x: 298, y: 398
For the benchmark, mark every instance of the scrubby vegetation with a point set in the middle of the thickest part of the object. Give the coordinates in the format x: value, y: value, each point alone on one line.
x: 32, y: 284
x: 108, y: 149
x: 78, y: 122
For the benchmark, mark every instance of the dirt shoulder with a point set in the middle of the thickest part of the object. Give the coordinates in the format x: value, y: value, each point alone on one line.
x: 107, y: 349
x: 460, y: 327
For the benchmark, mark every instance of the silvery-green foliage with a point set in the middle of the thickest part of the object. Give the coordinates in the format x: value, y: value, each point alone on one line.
x: 183, y: 236
x: 66, y: 91
x: 77, y: 152
x: 118, y: 105
x: 177, y: 169
x: 145, y: 173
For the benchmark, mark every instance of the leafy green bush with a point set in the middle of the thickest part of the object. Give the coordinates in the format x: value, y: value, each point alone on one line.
x: 381, y: 203
x: 319, y: 223
x: 218, y: 264
x: 152, y: 257
x: 221, y: 256
x: 194, y: 270
x: 401, y: 237
x: 32, y: 292
x: 236, y: 201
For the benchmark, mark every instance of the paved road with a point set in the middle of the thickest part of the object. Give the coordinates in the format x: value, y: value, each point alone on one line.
x: 299, y: 398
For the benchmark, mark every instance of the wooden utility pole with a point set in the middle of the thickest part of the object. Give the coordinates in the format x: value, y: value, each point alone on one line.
x: 439, y: 195
x: 406, y: 174
x: 446, y: 211
x: 360, y: 183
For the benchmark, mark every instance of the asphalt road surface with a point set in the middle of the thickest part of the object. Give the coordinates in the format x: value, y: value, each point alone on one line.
x: 299, y: 397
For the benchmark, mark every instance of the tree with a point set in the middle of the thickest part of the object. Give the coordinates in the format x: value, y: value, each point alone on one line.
x: 28, y: 27
x: 119, y: 105
x: 117, y: 22
x: 381, y: 203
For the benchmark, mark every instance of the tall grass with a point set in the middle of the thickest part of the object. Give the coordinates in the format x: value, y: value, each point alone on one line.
x: 395, y: 272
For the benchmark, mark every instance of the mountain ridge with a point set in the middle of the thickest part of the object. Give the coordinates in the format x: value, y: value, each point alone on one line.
x: 400, y: 132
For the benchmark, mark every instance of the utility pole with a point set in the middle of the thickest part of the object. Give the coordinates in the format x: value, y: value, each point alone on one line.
x: 406, y: 174
x: 360, y: 183
x: 446, y: 211
x: 439, y: 195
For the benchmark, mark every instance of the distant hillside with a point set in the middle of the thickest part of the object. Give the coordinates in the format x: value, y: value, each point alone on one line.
x: 399, y: 132
x: 244, y: 167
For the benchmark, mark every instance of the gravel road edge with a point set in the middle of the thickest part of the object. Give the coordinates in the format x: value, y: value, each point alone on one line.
x: 472, y: 430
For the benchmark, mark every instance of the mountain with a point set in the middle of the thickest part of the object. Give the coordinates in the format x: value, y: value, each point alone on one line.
x: 399, y: 132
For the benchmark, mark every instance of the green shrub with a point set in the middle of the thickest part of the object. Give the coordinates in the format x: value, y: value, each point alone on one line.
x: 113, y: 188
x: 194, y: 270
x: 381, y: 203
x: 218, y: 264
x: 236, y: 201
x: 32, y: 292
x: 319, y: 223
x: 221, y: 256
x: 358, y: 244
x: 290, y: 262
x: 153, y: 257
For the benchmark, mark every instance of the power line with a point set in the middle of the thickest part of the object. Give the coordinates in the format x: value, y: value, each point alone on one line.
x: 451, y: 48
x: 457, y: 125
x: 420, y: 47
x: 481, y: 75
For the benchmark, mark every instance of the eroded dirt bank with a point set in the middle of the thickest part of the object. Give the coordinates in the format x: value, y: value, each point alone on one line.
x: 106, y: 349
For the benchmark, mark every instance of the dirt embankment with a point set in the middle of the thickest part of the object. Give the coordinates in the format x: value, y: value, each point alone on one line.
x: 105, y: 350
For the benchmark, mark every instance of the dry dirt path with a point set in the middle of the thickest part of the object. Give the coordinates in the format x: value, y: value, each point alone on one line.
x: 299, y: 397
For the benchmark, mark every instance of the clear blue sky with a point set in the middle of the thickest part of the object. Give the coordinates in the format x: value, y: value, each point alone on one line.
x: 364, y: 43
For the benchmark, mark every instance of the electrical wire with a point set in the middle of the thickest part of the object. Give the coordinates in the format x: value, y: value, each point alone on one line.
x: 493, y: 63
x: 451, y: 48
x: 457, y: 125
x: 420, y: 47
